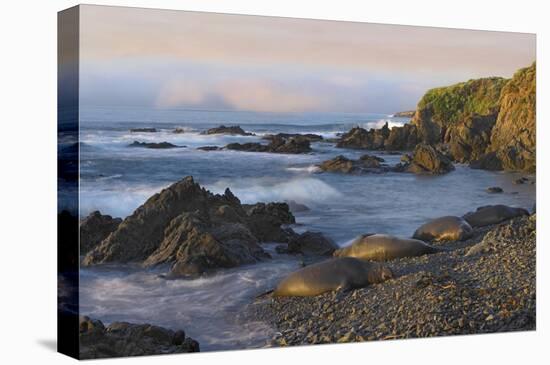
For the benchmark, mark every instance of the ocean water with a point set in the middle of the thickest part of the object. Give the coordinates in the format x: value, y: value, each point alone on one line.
x: 116, y: 179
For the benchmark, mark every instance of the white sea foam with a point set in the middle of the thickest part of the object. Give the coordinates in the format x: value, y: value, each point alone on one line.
x: 380, y: 123
x: 303, y: 190
x: 309, y: 169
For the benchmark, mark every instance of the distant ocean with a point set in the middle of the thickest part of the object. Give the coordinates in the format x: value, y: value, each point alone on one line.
x: 116, y: 179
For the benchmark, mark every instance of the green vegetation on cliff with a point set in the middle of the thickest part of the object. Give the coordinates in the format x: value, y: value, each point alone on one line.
x: 448, y: 105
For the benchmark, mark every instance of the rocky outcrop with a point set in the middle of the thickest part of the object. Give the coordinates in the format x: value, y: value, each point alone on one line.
x: 364, y: 164
x: 309, y: 136
x: 469, y: 139
x: 427, y: 160
x: 394, y: 139
x: 194, y: 230
x: 405, y: 114
x: 231, y: 130
x: 153, y: 145
x: 513, y: 140
x: 122, y: 339
x: 143, y: 130
x: 277, y: 144
x: 94, y: 229
x: 209, y: 148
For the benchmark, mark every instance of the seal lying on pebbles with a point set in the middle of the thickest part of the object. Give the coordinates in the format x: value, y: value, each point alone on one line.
x: 335, y: 274
x: 382, y: 247
x: 493, y: 214
x: 448, y: 228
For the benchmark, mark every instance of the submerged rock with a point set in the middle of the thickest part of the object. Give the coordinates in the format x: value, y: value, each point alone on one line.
x: 153, y: 145
x: 122, y: 339
x: 194, y: 230
x: 94, y: 229
x: 143, y: 130
x: 494, y: 190
x: 231, y: 130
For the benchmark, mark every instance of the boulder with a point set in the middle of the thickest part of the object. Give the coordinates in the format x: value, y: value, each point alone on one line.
x: 494, y: 189
x: 122, y: 339
x: 153, y: 145
x: 94, y: 229
x: 311, y: 244
x: 428, y: 160
x: 231, y: 130
x: 194, y: 230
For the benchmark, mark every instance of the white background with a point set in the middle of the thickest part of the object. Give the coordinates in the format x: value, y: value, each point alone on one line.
x: 28, y: 180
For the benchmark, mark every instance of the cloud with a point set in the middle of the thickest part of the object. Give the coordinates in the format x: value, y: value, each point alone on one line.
x: 243, y: 93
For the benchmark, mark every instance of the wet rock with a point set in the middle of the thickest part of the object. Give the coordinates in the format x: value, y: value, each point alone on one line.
x: 311, y: 244
x: 308, y: 136
x: 153, y: 145
x: 231, y: 130
x: 122, y: 339
x: 143, y: 130
x: 94, y: 229
x: 521, y: 180
x: 194, y: 230
x: 291, y: 145
x: 360, y: 138
x: 179, y: 131
x: 364, y: 164
x: 428, y: 160
x: 494, y: 190
x: 209, y: 148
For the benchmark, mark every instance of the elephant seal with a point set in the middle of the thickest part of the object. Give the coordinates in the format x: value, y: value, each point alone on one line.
x: 382, y: 247
x: 493, y: 214
x: 448, y: 228
x: 334, y: 274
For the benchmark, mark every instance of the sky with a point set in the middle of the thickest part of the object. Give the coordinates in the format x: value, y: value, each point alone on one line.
x: 134, y: 57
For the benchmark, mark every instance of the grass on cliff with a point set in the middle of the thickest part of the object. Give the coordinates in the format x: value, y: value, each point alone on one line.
x: 449, y: 104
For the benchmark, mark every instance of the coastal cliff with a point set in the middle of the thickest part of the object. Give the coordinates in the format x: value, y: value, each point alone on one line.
x: 487, y: 122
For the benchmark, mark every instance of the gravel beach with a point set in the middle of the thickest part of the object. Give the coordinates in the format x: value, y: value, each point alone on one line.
x: 483, y: 285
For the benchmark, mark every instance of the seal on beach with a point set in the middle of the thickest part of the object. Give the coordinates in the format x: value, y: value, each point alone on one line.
x: 335, y: 274
x: 493, y: 214
x: 382, y: 247
x: 448, y: 228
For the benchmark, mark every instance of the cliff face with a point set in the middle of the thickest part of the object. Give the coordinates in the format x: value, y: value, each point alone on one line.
x: 443, y: 109
x: 489, y: 122
x: 514, y: 135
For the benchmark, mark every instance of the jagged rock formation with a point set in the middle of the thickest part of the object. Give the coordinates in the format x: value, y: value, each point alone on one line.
x: 94, y: 229
x: 364, y: 164
x: 194, y: 230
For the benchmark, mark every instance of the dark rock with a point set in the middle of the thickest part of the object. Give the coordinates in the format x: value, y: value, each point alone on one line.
x: 311, y: 244
x: 494, y: 189
x: 488, y: 161
x: 293, y: 145
x: 94, y: 229
x: 143, y: 130
x: 521, y: 180
x: 469, y: 139
x: 231, y: 130
x: 209, y: 148
x: 178, y: 131
x: 194, y: 230
x: 309, y: 136
x: 153, y: 145
x: 360, y: 138
x: 122, y: 339
x: 427, y: 160
x: 364, y: 164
